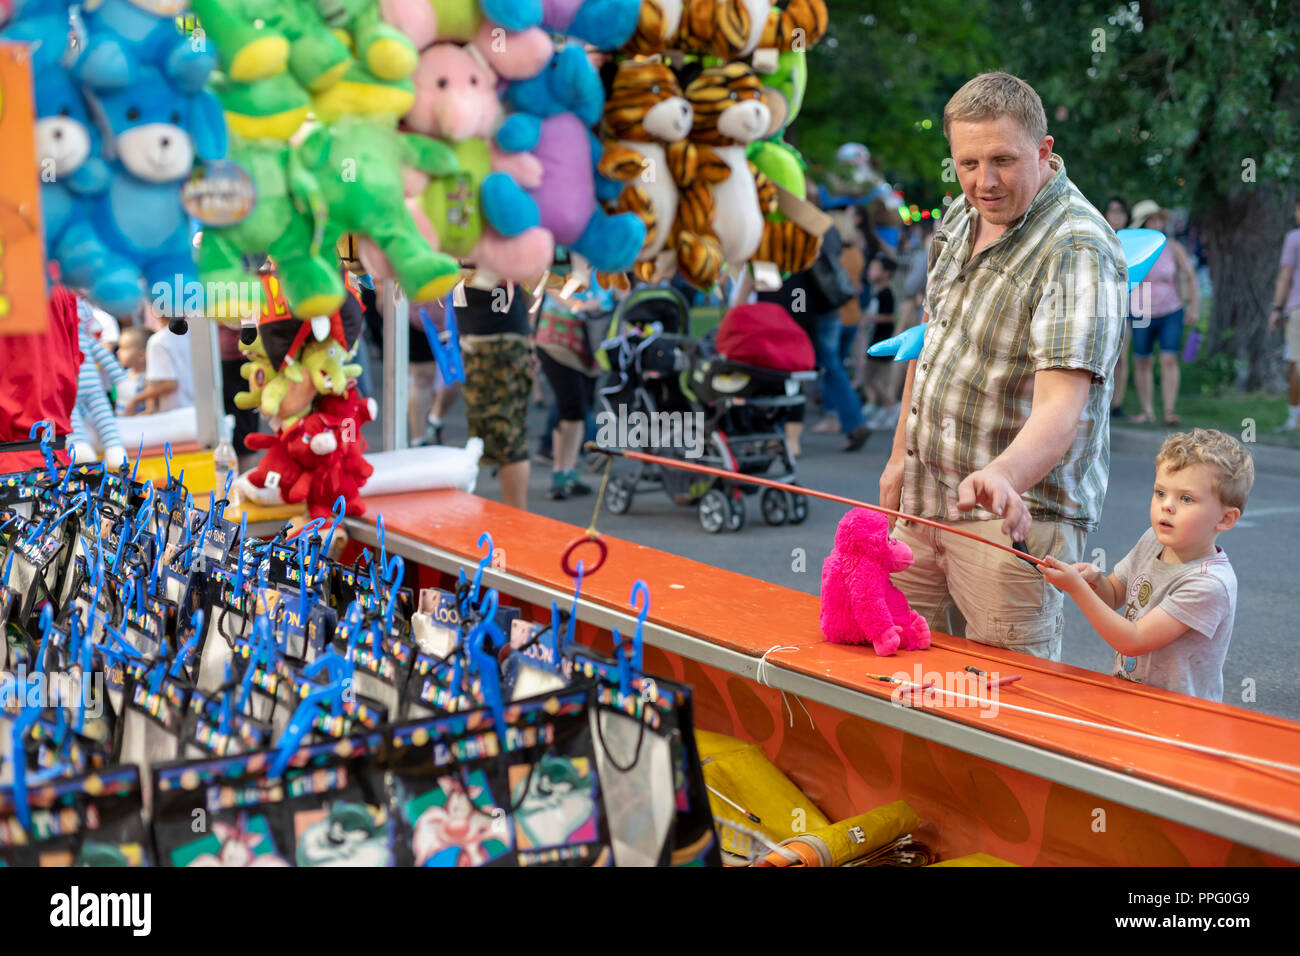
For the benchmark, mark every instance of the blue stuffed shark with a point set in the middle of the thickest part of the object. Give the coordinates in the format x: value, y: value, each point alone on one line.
x: 605, y: 24
x: 139, y: 230
x: 554, y: 115
x: 124, y: 35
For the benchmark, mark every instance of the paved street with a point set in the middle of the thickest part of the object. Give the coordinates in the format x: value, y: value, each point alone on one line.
x: 1265, y: 550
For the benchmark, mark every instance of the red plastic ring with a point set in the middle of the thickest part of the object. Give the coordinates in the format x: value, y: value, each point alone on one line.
x: 574, y: 545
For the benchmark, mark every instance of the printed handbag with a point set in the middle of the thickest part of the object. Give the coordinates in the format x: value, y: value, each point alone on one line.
x: 88, y: 820
x: 330, y: 808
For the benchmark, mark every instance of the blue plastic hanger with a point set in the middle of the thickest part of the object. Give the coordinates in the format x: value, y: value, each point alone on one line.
x: 339, y: 671
x: 239, y: 561
x: 188, y: 647
x: 478, y: 574
x: 630, y: 663
x: 483, y: 662
x: 139, y: 453
x: 340, y: 510
x: 46, y: 427
x: 394, y: 572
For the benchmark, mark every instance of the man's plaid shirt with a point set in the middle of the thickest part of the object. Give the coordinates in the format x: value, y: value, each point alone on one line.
x: 1049, y: 293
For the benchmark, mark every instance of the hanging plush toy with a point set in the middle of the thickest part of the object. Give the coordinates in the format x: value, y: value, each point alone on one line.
x: 142, y: 234
x: 555, y: 113
x: 94, y: 426
x: 480, y: 213
x: 786, y: 244
x: 729, y: 114
x: 359, y: 167
x: 504, y: 32
x: 68, y: 144
x: 734, y: 29
x: 647, y: 121
x: 283, y: 222
x: 124, y: 36
x: 605, y: 24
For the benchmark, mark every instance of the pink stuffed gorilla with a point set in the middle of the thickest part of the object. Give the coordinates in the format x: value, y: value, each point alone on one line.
x: 859, y: 603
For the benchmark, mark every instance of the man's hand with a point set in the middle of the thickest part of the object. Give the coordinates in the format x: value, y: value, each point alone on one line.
x: 891, y: 486
x: 991, y: 490
x: 1274, y: 320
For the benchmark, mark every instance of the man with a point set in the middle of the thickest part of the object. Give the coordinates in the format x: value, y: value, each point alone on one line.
x: 494, y: 339
x: 1005, y: 422
x: 1286, y: 304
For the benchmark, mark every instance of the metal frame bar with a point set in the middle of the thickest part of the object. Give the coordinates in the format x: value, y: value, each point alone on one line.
x: 397, y: 356
x: 205, y: 367
x: 1234, y: 823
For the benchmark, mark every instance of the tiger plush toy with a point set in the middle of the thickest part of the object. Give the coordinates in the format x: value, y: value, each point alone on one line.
x: 723, y: 217
x: 729, y: 29
x: 646, y: 122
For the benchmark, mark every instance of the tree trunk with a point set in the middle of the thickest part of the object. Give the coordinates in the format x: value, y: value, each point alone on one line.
x: 1243, y: 232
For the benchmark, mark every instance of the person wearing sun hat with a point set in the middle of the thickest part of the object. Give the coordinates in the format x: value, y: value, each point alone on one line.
x: 1157, y: 311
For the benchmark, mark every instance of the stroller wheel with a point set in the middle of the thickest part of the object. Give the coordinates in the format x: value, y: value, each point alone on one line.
x: 618, y: 496
x: 776, y: 506
x: 736, y: 515
x: 714, y: 510
x: 798, y: 508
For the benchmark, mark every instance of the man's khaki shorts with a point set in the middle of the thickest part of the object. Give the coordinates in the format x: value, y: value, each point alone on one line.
x: 1293, y: 336
x: 968, y: 589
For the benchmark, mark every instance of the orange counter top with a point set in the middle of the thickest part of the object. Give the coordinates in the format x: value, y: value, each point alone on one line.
x: 731, y: 621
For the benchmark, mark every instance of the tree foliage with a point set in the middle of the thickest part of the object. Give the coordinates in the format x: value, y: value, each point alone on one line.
x: 1190, y: 102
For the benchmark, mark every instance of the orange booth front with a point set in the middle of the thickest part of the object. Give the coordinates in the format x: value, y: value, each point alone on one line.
x: 1060, y: 768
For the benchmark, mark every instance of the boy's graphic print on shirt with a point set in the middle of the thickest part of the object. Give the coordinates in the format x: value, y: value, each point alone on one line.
x: 1139, y: 593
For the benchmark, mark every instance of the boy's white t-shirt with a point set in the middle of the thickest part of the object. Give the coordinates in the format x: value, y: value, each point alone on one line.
x: 1201, y: 594
x: 167, y: 358
x: 126, y: 390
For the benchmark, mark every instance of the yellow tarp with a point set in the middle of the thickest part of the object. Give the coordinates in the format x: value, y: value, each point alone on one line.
x: 975, y: 859
x: 741, y: 772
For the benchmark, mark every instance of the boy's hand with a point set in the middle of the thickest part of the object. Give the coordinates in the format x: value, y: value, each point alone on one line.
x: 1070, y: 578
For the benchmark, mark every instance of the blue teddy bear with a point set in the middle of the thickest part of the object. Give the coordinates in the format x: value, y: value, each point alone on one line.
x: 67, y: 142
x: 124, y: 35
x: 553, y: 119
x: 139, y: 232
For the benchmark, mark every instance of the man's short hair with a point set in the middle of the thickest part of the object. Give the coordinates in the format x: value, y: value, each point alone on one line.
x: 991, y: 96
x: 1234, y: 470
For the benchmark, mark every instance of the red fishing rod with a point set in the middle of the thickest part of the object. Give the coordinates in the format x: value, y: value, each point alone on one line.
x: 1018, y: 548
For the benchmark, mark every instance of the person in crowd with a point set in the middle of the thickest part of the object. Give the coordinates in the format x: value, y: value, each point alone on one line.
x: 1005, y: 413
x: 803, y: 298
x: 1175, y: 592
x: 1117, y: 216
x: 429, y: 398
x: 1159, y: 307
x: 131, y: 352
x: 496, y: 353
x: 169, y: 373
x: 1286, y: 305
x: 568, y: 360
x: 882, y: 407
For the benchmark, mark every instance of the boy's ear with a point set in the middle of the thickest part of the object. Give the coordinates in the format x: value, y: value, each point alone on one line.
x: 1230, y: 518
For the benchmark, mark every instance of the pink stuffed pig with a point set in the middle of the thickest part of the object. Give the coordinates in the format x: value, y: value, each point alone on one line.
x: 456, y: 101
x: 859, y: 603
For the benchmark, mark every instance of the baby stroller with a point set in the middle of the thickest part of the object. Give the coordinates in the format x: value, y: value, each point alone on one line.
x: 709, y: 408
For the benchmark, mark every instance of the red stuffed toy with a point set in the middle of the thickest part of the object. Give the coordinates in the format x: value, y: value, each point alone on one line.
x: 331, y: 448
x: 859, y: 603
x: 277, y: 461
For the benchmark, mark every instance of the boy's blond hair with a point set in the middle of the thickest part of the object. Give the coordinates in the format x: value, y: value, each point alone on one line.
x: 1234, y: 470
x: 991, y: 96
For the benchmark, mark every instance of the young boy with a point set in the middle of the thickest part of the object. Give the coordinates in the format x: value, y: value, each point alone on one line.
x: 131, y: 354
x: 1175, y: 592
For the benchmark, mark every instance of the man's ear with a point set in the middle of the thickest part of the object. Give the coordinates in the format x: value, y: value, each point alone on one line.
x: 1045, y: 148
x: 1230, y: 517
